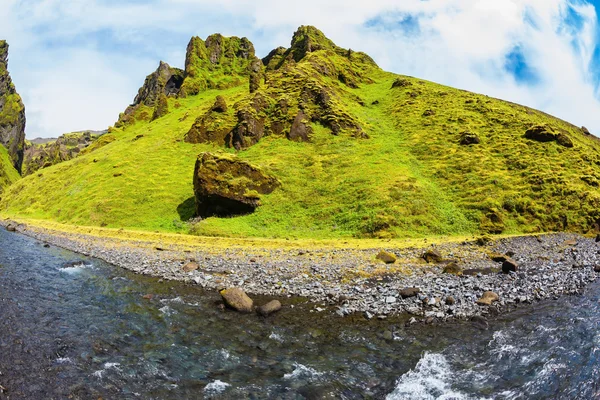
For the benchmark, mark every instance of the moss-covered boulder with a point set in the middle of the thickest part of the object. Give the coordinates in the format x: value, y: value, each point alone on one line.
x: 12, y: 113
x: 227, y: 186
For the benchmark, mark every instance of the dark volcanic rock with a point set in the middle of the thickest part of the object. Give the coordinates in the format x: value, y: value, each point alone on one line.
x: 468, y: 138
x: 166, y: 80
x: 12, y: 113
x: 220, y: 105
x: 432, y: 255
x: 300, y: 130
x: 214, y: 126
x: 543, y: 133
x: 509, y: 265
x: 226, y: 186
x: 256, y: 75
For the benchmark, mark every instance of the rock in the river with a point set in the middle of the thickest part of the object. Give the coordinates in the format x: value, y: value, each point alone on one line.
x: 432, y: 255
x: 191, y: 266
x: 11, y: 228
x: 237, y: 299
x: 386, y: 257
x: 509, y: 265
x: 488, y: 298
x: 269, y: 308
x: 409, y: 292
x: 227, y: 186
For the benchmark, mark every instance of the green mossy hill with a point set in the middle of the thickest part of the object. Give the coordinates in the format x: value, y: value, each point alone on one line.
x: 8, y: 173
x: 311, y: 82
x: 42, y: 153
x: 358, y: 152
x: 12, y: 113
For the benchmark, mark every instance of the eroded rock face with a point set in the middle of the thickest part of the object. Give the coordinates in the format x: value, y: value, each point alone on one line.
x: 12, y: 113
x: 214, y: 126
x: 164, y: 82
x: 227, y: 186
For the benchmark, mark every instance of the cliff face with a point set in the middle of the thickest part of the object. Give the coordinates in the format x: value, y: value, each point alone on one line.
x: 12, y: 113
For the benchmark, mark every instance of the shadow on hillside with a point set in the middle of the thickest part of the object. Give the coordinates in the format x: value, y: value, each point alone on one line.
x: 187, y: 209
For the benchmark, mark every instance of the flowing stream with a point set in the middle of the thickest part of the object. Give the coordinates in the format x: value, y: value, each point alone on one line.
x: 79, y: 328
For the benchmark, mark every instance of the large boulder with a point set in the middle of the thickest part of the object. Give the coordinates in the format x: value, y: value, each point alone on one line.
x: 226, y: 186
x: 12, y: 113
x: 237, y: 299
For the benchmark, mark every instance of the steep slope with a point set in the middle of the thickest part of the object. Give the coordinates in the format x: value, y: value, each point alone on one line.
x: 358, y: 152
x: 12, y: 113
x: 8, y: 173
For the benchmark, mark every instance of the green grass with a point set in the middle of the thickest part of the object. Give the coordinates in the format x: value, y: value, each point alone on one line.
x: 8, y: 173
x: 411, y: 178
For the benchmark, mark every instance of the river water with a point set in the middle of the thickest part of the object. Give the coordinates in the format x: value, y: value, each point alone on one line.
x: 79, y: 328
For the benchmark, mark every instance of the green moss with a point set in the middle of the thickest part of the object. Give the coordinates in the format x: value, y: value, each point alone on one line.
x: 410, y: 178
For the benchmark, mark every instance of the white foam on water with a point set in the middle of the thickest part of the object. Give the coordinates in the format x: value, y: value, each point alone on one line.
x: 63, y: 360
x: 302, y: 372
x: 98, y: 374
x: 429, y: 380
x: 174, y: 300
x: 276, y: 337
x: 166, y: 310
x: 215, y: 387
x: 76, y: 268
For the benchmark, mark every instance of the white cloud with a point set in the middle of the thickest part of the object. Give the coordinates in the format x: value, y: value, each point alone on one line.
x: 460, y: 43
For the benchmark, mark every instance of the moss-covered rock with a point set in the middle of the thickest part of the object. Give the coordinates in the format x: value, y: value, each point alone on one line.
x: 226, y: 186
x: 12, y: 113
x: 217, y: 63
x: 43, y: 153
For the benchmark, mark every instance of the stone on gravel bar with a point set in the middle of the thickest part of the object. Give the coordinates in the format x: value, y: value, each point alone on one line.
x: 237, y: 299
x: 432, y: 255
x: 11, y: 228
x: 509, y: 265
x: 269, y: 308
x: 191, y: 266
x: 488, y: 298
x: 452, y: 268
x: 386, y: 257
x: 409, y: 292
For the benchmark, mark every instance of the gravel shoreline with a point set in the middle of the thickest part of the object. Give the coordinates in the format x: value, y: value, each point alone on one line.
x: 350, y: 281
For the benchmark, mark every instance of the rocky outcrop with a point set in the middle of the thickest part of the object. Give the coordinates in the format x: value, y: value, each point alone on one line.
x: 217, y: 63
x: 468, y: 138
x: 43, y: 153
x: 544, y: 133
x: 386, y: 257
x: 164, y: 82
x: 214, y: 126
x: 12, y: 113
x: 226, y: 186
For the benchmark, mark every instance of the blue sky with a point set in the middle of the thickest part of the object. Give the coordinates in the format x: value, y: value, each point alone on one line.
x: 78, y: 63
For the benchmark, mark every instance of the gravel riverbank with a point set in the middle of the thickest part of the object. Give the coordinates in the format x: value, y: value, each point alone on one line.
x: 348, y: 281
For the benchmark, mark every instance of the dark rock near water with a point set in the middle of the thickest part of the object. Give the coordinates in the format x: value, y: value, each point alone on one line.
x: 226, y: 186
x: 237, y: 299
x: 452, y: 268
x: 11, y: 228
x: 269, y: 308
x: 190, y: 266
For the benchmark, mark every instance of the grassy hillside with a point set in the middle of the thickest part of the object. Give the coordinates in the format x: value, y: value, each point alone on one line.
x: 384, y: 159
x: 8, y: 173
